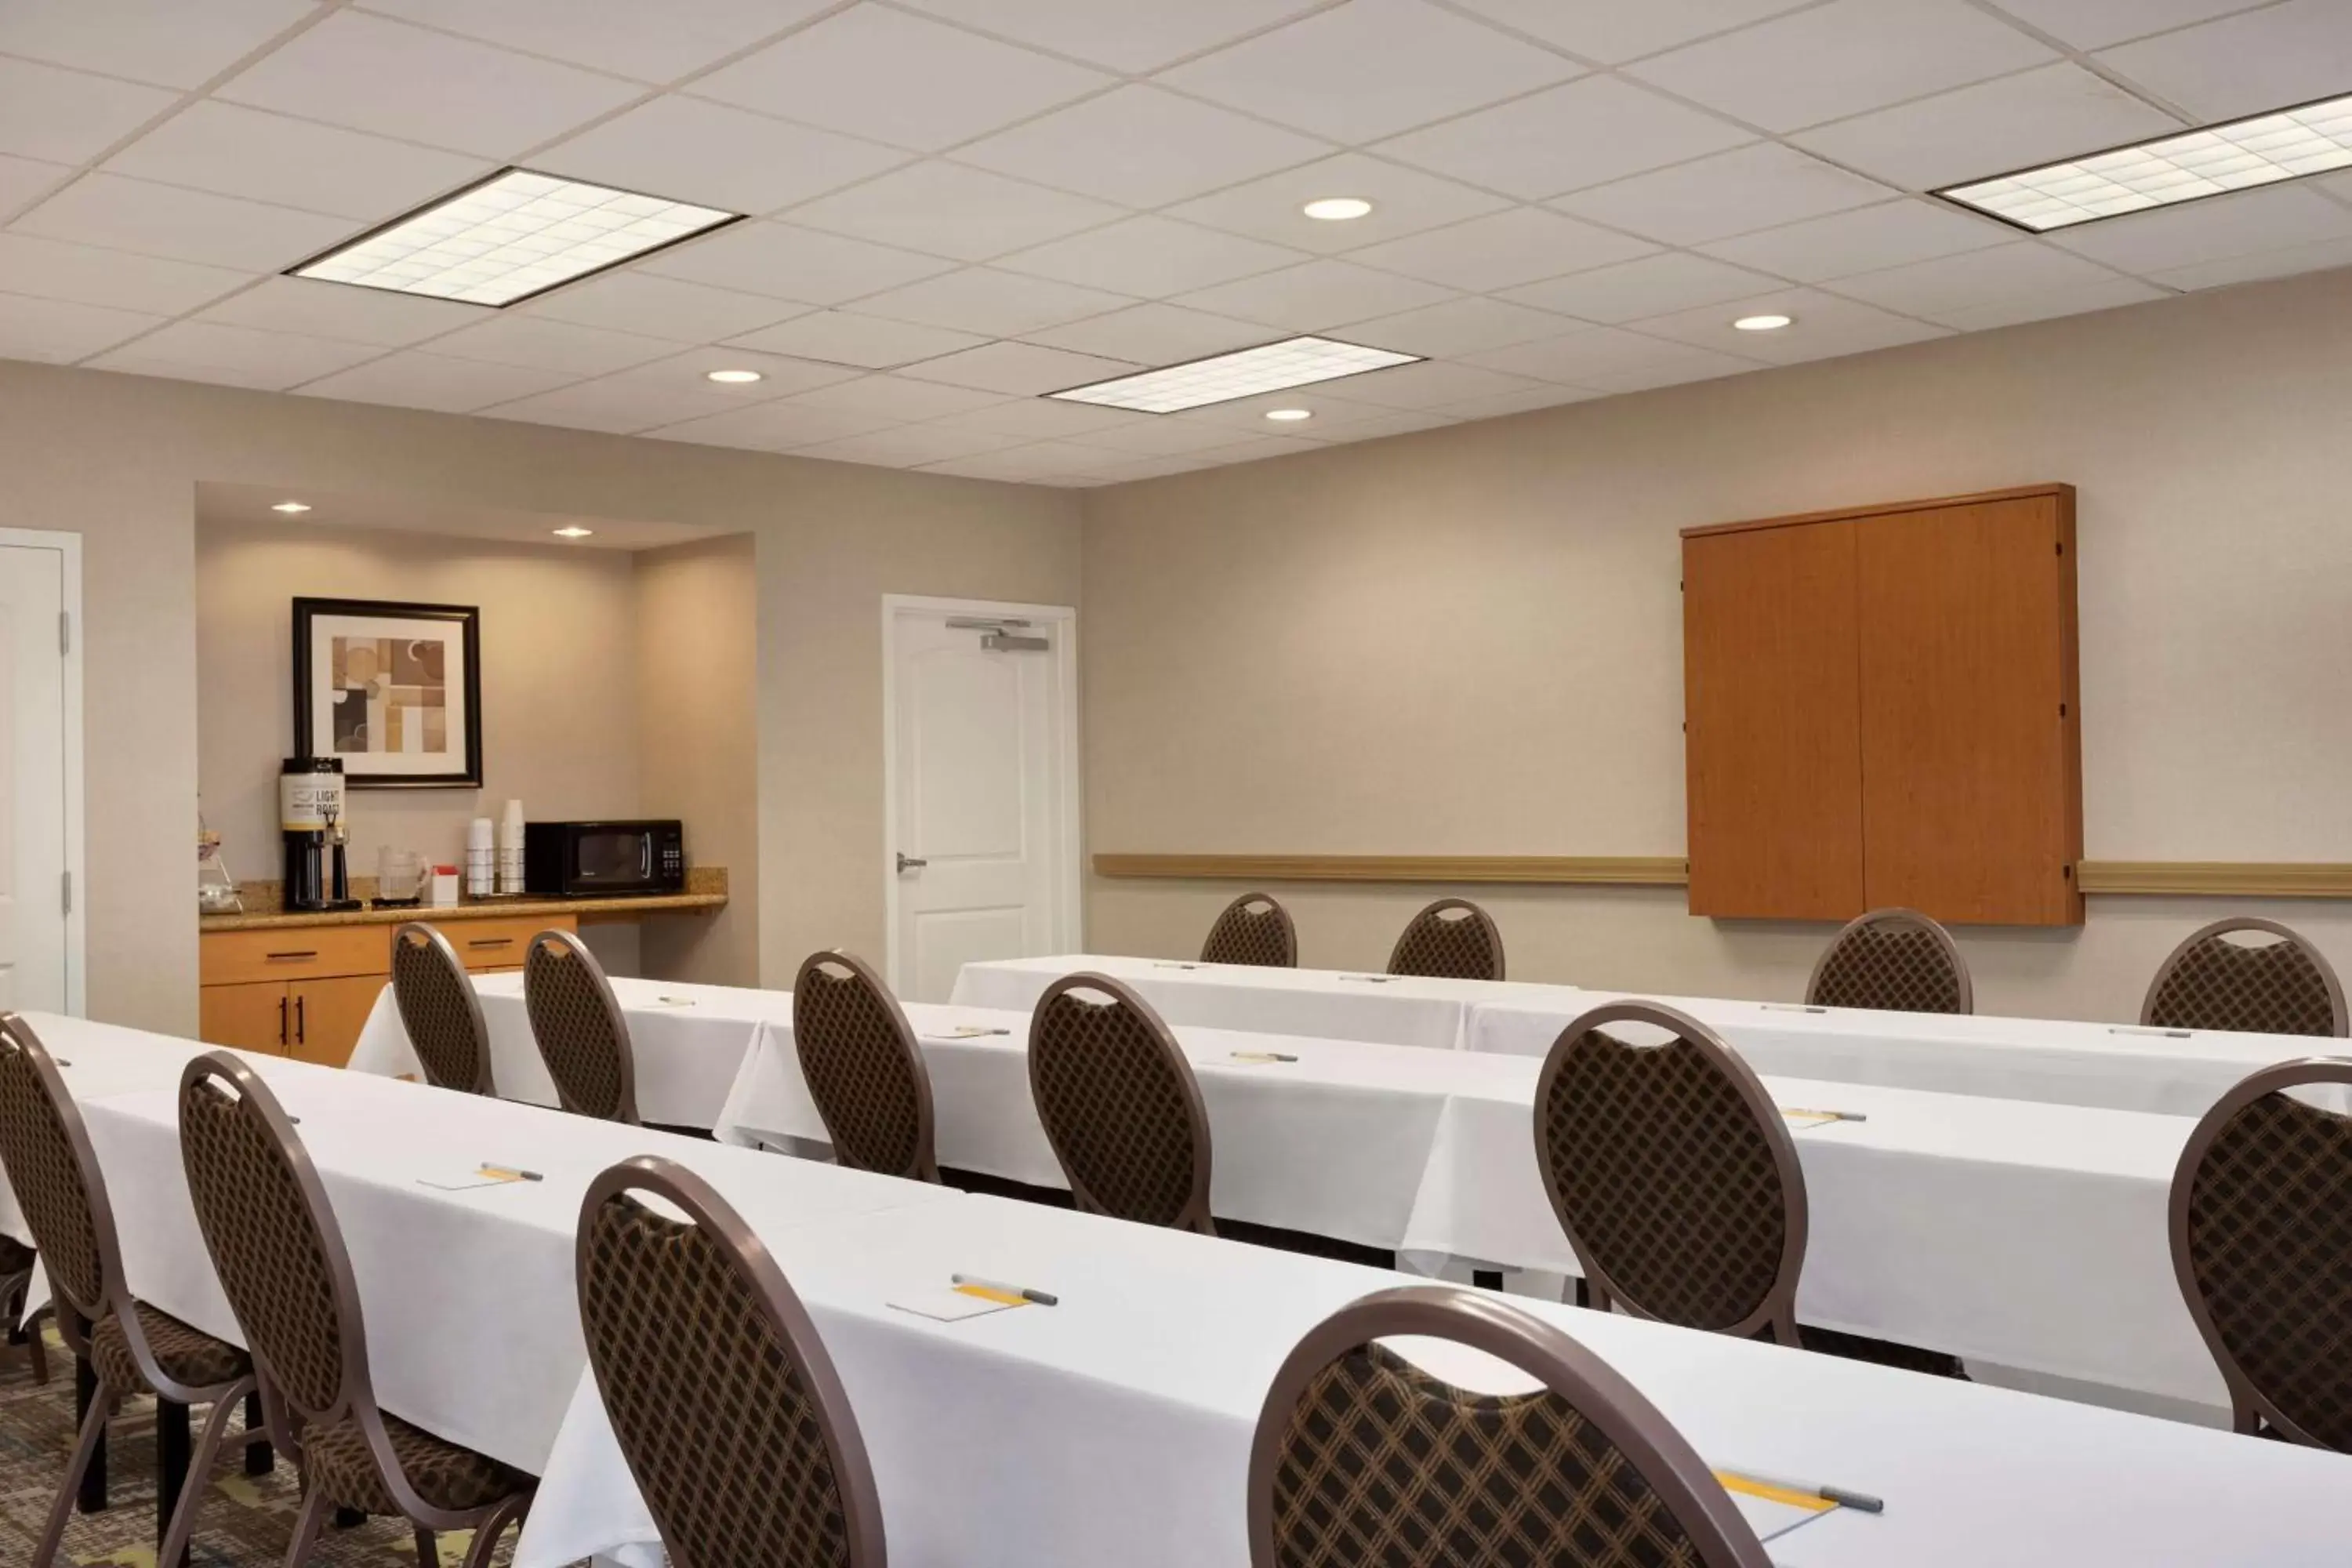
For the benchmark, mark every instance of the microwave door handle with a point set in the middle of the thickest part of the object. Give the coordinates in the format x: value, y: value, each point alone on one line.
x: 646, y: 858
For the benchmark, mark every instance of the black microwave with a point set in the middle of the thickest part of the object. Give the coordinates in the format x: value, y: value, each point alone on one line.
x: 599, y: 859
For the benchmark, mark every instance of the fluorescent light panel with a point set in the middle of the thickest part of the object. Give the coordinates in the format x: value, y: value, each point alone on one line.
x: 514, y: 235
x: 1270, y: 367
x: 2261, y: 149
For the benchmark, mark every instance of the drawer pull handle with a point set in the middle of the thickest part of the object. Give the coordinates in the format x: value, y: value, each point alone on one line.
x: 298, y: 953
x: 491, y: 941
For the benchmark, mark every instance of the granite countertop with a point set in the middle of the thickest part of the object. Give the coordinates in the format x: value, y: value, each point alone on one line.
x: 705, y: 888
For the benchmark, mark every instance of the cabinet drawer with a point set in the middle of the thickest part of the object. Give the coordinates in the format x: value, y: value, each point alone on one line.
x: 498, y: 945
x: 293, y: 952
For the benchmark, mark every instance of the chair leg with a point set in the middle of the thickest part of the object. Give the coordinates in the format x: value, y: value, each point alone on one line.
x: 173, y: 1439
x: 37, y: 1347
x: 349, y: 1519
x: 494, y: 1525
x: 88, y: 1396
x: 260, y: 1454
x: 306, y: 1529
x: 181, y: 1514
x: 93, y: 1432
x: 428, y: 1551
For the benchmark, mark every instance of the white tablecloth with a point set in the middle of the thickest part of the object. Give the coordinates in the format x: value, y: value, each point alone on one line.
x: 687, y: 1041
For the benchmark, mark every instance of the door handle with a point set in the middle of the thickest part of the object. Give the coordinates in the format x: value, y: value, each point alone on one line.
x: 490, y: 941
x: 301, y: 1036
x: 908, y: 863
x: 283, y: 1039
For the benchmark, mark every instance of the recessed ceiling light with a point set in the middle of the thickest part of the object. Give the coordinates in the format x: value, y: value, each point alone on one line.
x: 291, y: 507
x: 573, y: 530
x: 2260, y: 150
x: 1337, y: 209
x: 1270, y: 367
x: 1290, y: 416
x: 733, y: 377
x: 1762, y: 323
x: 514, y: 235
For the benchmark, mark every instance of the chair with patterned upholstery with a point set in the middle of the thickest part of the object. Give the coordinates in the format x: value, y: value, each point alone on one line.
x: 440, y: 1011
x: 863, y: 1070
x: 720, y: 1395
x: 1363, y: 1460
x: 2262, y: 1244
x: 1899, y: 961
x: 1120, y: 1104
x: 130, y: 1347
x: 581, y: 1035
x: 2279, y: 987
x: 1253, y: 930
x: 17, y: 1265
x: 1452, y: 939
x: 281, y: 1257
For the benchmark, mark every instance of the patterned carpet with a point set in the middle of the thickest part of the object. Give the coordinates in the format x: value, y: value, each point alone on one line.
x: 246, y: 1522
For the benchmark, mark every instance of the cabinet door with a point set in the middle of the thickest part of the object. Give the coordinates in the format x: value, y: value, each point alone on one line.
x: 499, y: 944
x: 249, y: 1017
x: 1971, y: 806
x: 1774, y: 749
x: 327, y: 1016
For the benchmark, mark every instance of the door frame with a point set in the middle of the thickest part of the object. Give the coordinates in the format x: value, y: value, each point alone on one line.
x: 76, y: 636
x: 1065, y: 908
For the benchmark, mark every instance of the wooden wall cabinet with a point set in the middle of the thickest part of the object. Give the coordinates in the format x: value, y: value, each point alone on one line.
x: 1882, y: 708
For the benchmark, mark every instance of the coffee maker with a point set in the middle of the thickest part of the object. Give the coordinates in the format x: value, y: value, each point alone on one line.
x: 310, y: 820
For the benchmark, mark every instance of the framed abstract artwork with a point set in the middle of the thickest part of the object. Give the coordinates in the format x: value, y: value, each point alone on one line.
x: 394, y: 689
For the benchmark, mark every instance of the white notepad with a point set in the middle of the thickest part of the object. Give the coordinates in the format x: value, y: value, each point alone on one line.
x: 951, y: 1305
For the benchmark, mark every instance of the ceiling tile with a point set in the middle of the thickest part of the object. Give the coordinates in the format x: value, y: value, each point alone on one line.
x: 1406, y: 424
x: 1133, y: 36
x: 1246, y: 416
x: 1369, y: 68
x: 790, y: 263
x: 1863, y: 240
x: 1581, y: 134
x: 1842, y: 58
x: 870, y: 343
x: 1950, y: 283
x: 2095, y: 24
x: 346, y: 314
x: 185, y: 225
x: 1732, y: 193
x: 1142, y: 147
x: 1457, y: 326
x: 1651, y: 286
x: 1477, y: 408
x: 617, y: 406
x: 1612, y: 30
x: 2214, y: 229
x: 60, y: 333
x: 1155, y: 334
x: 1026, y: 370
x: 782, y: 373
x: 1404, y: 201
x: 1258, y: 448
x: 898, y: 79
x: 1039, y: 418
x: 895, y: 397
x: 991, y: 304
x: 710, y: 154
x: 2035, y: 117
x: 362, y: 71
x: 627, y: 37
x: 1152, y: 257
x: 631, y: 301
x: 1597, y: 355
x: 2072, y: 300
x: 2270, y: 58
x: 201, y: 350
x: 775, y: 427
x: 946, y: 209
x: 67, y: 117
x: 1160, y: 436
x: 1040, y: 462
x: 2261, y: 264
x: 910, y: 445
x: 86, y: 275
x: 233, y: 152
x: 1316, y: 295
x: 417, y: 380
x: 175, y: 43
x: 1509, y: 248
x: 1825, y: 327
x: 1429, y: 385
x: 22, y: 179
x: 543, y: 344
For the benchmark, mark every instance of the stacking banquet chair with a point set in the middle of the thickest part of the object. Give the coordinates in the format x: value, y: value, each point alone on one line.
x: 2280, y: 987
x: 281, y: 1257
x: 440, y: 1011
x: 1119, y: 1105
x: 1452, y: 939
x: 1253, y: 930
x: 16, y: 1262
x: 132, y: 1348
x: 577, y: 1021
x: 1678, y: 1184
x: 863, y: 1070
x: 2262, y: 1244
x: 1899, y: 961
x: 1363, y: 1460
x: 720, y: 1395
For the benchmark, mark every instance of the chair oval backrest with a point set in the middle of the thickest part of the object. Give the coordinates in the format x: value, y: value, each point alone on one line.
x: 863, y: 1067
x: 2280, y: 988
x: 272, y: 1236
x: 576, y: 1019
x: 1452, y: 939
x: 1899, y: 961
x: 1254, y: 930
x: 46, y: 1151
x: 2262, y: 1244
x: 1120, y: 1104
x: 1362, y: 1458
x: 720, y: 1393
x: 1672, y: 1173
x: 439, y: 1010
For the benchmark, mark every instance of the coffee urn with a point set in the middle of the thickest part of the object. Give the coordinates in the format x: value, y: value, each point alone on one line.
x: 312, y: 822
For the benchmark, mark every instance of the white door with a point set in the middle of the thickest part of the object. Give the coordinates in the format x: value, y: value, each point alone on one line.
x: 33, y: 922
x: 982, y: 775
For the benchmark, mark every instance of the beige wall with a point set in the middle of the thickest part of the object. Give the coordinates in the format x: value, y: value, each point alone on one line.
x: 1469, y: 640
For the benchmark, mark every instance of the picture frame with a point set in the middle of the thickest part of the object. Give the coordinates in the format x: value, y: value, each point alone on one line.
x: 374, y: 685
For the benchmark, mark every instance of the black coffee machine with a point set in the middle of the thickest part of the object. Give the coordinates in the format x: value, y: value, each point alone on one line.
x: 312, y: 822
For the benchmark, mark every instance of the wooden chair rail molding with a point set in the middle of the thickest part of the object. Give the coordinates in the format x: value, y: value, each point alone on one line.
x: 2219, y: 879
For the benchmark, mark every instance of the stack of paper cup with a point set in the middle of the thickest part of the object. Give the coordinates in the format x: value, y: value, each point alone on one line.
x: 510, y: 849
x: 481, y: 859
